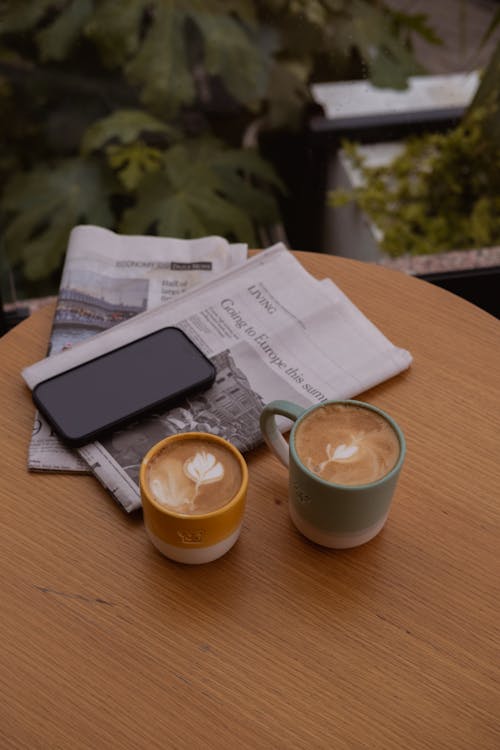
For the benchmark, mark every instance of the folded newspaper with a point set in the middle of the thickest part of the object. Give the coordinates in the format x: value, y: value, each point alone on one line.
x: 272, y: 331
x: 108, y: 278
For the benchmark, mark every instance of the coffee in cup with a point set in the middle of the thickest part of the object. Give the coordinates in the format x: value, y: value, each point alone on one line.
x: 347, y: 444
x: 344, y: 460
x: 193, y: 489
x: 194, y: 476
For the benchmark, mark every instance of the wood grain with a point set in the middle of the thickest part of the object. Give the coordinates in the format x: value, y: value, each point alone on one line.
x: 280, y: 644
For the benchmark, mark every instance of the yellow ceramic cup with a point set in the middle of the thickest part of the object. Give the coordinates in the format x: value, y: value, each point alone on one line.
x: 195, y: 537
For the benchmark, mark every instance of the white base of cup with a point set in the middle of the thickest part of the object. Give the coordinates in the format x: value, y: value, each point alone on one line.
x: 198, y: 555
x: 332, y: 539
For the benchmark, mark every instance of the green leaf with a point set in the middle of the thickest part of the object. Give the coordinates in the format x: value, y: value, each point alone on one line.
x: 248, y: 163
x: 160, y: 66
x: 246, y: 179
x: 132, y: 162
x: 124, y: 126
x: 56, y: 39
x: 387, y: 56
x: 417, y: 23
x: 16, y: 16
x: 41, y: 207
x: 203, y: 189
x: 288, y: 92
x: 193, y: 212
x: 246, y: 10
x: 392, y: 66
x: 148, y: 38
x: 311, y: 10
x: 486, y: 102
x: 115, y: 27
x: 233, y: 53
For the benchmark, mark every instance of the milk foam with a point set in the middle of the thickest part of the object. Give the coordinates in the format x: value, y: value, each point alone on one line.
x: 194, y: 476
x: 347, y: 444
x: 203, y: 468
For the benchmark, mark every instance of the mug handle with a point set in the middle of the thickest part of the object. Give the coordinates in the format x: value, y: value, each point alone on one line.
x: 269, y: 428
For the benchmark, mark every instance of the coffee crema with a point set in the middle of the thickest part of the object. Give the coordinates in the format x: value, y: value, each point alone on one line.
x: 194, y: 476
x: 347, y: 444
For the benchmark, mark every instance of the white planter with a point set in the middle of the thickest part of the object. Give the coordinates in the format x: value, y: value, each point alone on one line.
x: 356, y: 99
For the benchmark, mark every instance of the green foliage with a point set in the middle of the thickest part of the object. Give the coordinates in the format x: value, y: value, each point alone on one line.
x: 487, y: 98
x: 132, y: 114
x: 43, y: 206
x: 442, y: 193
x: 122, y: 138
x: 202, y: 188
x: 125, y: 126
x: 389, y: 60
x: 56, y: 40
x: 233, y: 53
x: 133, y: 162
x: 21, y: 16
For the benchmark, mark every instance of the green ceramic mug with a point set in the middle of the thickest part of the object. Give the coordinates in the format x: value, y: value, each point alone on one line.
x: 344, y: 460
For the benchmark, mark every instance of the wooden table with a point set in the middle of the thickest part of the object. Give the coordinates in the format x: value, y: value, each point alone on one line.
x: 280, y: 644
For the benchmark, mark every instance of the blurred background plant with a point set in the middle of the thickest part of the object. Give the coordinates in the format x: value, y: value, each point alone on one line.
x: 133, y: 115
x: 442, y: 192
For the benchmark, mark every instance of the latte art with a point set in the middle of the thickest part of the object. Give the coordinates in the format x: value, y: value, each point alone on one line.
x: 203, y: 467
x: 347, y: 444
x: 194, y: 477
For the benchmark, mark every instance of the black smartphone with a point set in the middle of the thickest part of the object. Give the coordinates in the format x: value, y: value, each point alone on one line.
x: 110, y: 390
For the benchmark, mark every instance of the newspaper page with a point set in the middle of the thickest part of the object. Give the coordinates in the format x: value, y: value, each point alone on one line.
x: 272, y: 331
x: 107, y: 279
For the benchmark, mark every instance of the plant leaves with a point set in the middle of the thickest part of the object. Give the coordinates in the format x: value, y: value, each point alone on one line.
x: 311, y: 10
x: 16, y: 16
x: 200, y: 190
x: 388, y: 58
x: 124, y: 126
x: 234, y: 54
x: 246, y: 179
x: 441, y: 192
x: 122, y: 135
x: 115, y: 27
x: 160, y: 66
x: 486, y: 101
x: 132, y: 162
x: 41, y: 207
x: 246, y: 162
x: 288, y: 93
x: 417, y: 23
x: 55, y: 40
x: 392, y: 66
x: 195, y: 212
x: 244, y: 9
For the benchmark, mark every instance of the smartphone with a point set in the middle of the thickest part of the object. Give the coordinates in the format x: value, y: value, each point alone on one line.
x: 104, y: 393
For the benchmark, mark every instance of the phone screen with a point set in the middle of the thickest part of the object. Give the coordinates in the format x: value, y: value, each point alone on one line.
x: 105, y: 392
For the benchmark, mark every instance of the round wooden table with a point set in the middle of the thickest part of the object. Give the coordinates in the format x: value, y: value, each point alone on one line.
x: 279, y: 644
